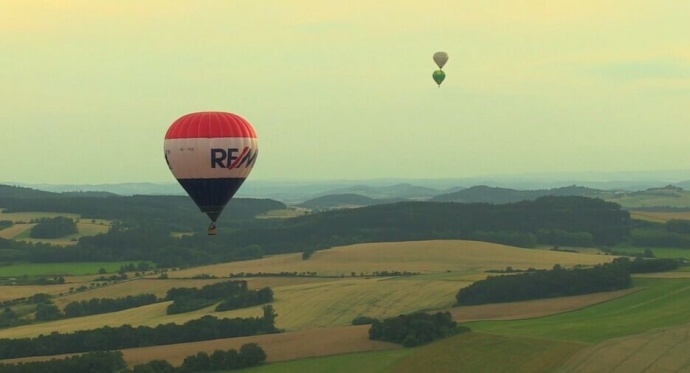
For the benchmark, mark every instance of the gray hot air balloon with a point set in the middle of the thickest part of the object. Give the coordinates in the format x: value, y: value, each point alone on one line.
x: 440, y: 58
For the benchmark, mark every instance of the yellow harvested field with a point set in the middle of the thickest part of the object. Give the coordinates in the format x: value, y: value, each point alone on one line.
x: 160, y: 287
x: 25, y: 217
x: 11, y: 292
x: 150, y: 315
x: 664, y: 350
x: 15, y: 230
x: 659, y: 217
x: 416, y: 256
x: 86, y: 227
x: 131, y: 287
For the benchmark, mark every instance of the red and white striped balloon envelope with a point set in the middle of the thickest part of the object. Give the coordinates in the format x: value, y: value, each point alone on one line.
x: 211, y: 154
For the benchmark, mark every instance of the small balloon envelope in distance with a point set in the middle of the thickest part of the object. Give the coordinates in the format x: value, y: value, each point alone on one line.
x: 440, y: 58
x: 438, y: 76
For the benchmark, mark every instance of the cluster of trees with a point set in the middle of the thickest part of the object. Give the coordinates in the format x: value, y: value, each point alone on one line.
x: 100, y: 361
x: 557, y: 282
x: 249, y: 355
x: 414, y: 329
x: 53, y: 227
x: 642, y: 265
x: 8, y: 318
x: 231, y: 294
x: 126, y: 336
x: 104, y: 305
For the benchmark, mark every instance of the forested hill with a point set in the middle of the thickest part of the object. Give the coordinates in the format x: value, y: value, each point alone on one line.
x: 483, y: 193
x: 9, y: 191
x: 144, y: 225
x: 585, y: 220
x: 175, y: 213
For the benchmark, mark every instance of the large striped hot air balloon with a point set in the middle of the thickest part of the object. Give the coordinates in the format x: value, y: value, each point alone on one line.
x: 211, y: 154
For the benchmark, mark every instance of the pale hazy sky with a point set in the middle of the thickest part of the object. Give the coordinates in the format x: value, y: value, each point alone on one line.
x: 343, y: 89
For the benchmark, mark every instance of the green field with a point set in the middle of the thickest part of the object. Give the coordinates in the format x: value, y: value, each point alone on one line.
x: 62, y: 269
x: 469, y: 352
x: 662, y: 303
x: 534, y: 345
x: 659, y: 252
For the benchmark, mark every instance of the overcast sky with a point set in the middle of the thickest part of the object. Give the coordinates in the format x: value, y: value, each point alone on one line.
x: 343, y: 89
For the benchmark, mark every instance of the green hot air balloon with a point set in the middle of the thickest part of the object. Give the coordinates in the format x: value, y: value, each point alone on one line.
x: 438, y: 76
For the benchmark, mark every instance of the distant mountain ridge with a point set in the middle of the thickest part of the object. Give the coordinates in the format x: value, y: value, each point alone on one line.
x: 402, y: 190
x: 494, y: 189
x: 487, y: 194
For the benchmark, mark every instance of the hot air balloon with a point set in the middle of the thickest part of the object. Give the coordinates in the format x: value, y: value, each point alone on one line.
x: 211, y: 154
x: 438, y: 76
x: 440, y: 58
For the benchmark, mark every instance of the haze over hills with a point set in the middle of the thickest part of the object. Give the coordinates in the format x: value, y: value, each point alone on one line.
x: 295, y: 192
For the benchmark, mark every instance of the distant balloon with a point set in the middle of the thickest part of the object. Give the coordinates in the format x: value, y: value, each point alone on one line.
x: 438, y: 76
x: 211, y: 154
x: 440, y: 58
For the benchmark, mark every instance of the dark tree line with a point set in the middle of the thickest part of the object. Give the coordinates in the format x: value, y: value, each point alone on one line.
x: 643, y: 265
x: 414, y: 329
x: 100, y: 361
x: 515, y: 223
x: 249, y: 355
x: 126, y: 336
x: 673, y: 233
x: 231, y: 294
x: 558, y: 282
x: 96, y: 306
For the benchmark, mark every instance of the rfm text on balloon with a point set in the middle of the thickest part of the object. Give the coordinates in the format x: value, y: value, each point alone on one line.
x: 227, y: 159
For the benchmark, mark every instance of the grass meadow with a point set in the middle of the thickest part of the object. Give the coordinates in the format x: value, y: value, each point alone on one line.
x: 661, y: 303
x: 380, y: 361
